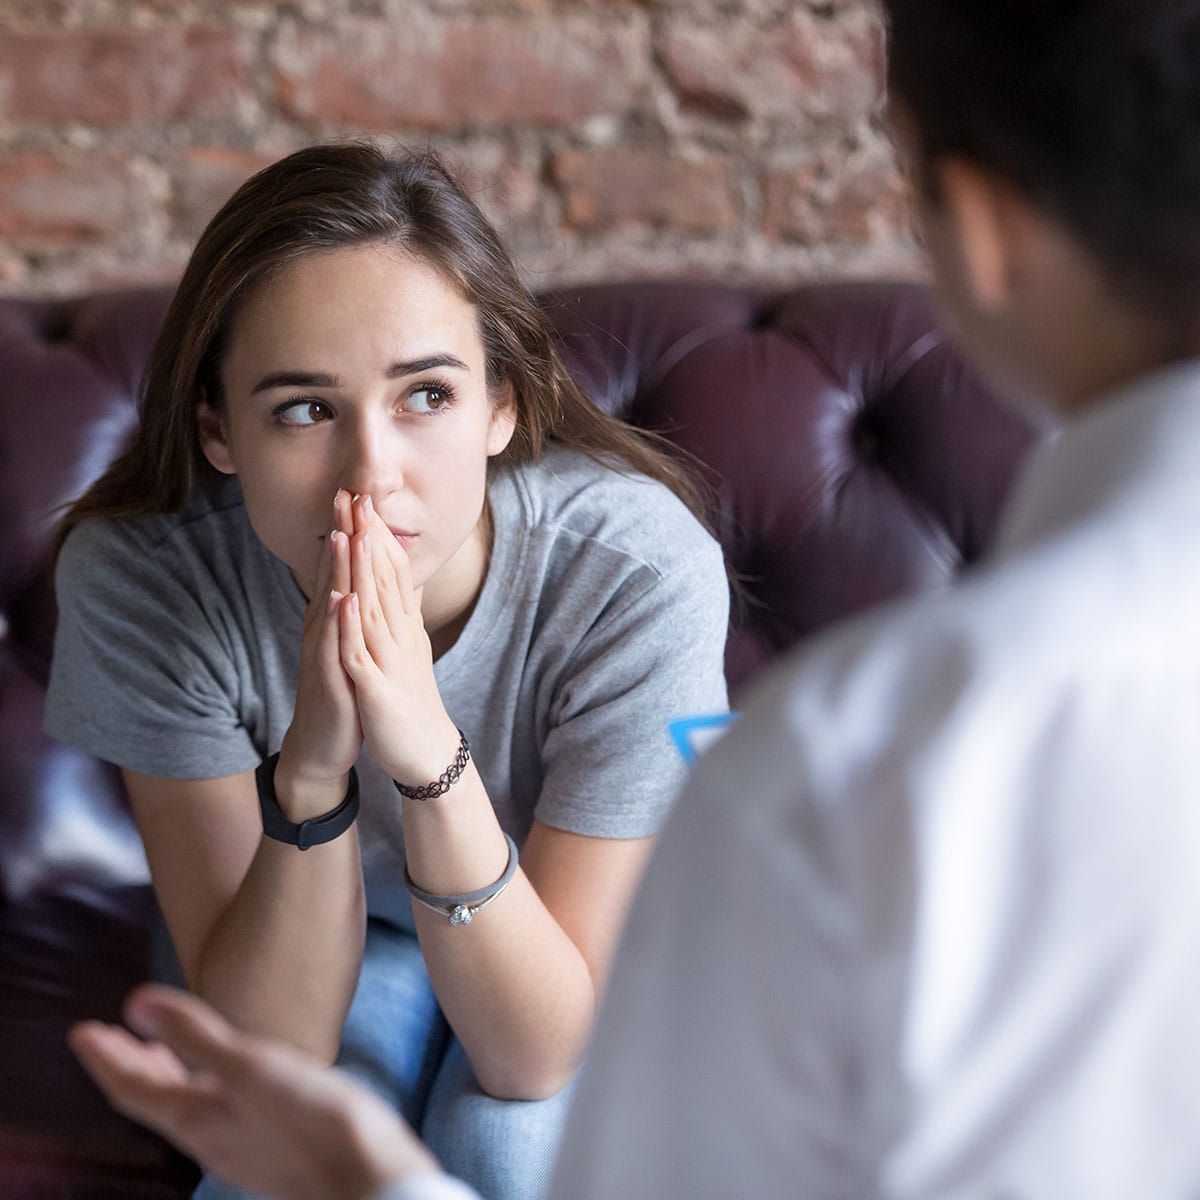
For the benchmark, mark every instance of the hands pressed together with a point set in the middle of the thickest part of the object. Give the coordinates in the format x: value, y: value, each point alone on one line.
x: 257, y: 1111
x: 366, y: 666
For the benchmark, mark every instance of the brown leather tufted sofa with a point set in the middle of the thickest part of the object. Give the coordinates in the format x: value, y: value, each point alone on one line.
x: 852, y: 457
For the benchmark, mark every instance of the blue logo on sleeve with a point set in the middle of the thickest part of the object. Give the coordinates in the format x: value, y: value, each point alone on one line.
x: 694, y: 735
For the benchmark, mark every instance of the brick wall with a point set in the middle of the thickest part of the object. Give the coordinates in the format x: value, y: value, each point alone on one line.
x: 733, y: 139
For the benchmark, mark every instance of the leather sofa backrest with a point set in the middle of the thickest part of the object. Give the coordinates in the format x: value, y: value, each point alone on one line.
x: 851, y: 457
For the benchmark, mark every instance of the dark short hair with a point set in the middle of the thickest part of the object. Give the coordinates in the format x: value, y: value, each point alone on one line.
x: 1091, y: 108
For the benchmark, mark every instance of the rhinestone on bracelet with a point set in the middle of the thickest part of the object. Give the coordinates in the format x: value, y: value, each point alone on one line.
x: 461, y: 909
x: 442, y: 784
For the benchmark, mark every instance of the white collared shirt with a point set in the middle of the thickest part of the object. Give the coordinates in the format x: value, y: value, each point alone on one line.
x: 926, y: 923
x: 430, y: 1185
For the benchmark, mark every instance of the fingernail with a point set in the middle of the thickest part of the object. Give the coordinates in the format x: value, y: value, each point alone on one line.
x: 143, y: 1018
x: 354, y: 603
x: 334, y: 597
x: 337, y: 495
x: 366, y: 543
x: 368, y: 507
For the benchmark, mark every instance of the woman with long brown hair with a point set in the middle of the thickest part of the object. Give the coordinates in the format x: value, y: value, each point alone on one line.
x: 383, y: 622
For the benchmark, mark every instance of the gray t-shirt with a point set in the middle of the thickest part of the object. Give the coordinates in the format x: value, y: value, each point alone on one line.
x: 602, y: 617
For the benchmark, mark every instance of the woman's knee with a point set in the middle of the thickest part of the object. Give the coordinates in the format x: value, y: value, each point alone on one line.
x: 504, y: 1148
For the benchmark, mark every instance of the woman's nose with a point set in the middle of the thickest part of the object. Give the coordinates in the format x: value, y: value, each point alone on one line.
x: 370, y: 463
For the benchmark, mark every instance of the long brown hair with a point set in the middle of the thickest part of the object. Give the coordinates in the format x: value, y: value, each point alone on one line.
x: 322, y: 198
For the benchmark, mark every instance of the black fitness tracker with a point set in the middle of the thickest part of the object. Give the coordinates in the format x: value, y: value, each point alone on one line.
x: 314, y: 831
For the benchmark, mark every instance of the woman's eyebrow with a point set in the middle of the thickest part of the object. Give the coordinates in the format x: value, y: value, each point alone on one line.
x: 416, y: 365
x: 397, y: 370
x: 278, y: 379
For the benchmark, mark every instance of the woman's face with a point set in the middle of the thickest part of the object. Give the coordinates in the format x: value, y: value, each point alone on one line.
x: 360, y: 368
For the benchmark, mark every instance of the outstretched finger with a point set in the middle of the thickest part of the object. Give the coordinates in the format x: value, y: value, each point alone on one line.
x: 386, y: 553
x: 145, y: 1081
x: 192, y: 1029
x: 357, y: 660
x: 333, y: 569
x: 109, y: 1052
x: 343, y: 523
x: 399, y: 571
x: 340, y: 553
x: 383, y: 614
x: 321, y: 585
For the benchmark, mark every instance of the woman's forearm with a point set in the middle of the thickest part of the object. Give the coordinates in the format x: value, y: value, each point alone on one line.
x: 284, y: 956
x: 269, y: 934
x: 520, y: 997
x: 515, y: 988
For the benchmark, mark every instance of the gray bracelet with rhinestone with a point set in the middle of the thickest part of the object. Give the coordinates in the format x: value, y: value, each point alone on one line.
x: 461, y: 909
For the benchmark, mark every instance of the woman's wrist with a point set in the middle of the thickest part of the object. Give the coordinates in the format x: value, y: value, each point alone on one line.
x: 302, y: 796
x: 426, y: 761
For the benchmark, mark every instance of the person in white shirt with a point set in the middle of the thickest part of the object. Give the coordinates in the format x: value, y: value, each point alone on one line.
x: 926, y: 925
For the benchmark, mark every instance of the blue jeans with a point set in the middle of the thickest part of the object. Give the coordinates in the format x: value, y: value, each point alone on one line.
x: 396, y: 1042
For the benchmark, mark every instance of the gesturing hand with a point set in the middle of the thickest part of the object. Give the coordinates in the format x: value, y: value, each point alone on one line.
x: 325, y: 735
x: 258, y: 1113
x: 386, y: 654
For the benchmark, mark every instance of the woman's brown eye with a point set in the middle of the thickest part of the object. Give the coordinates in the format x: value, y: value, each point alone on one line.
x: 428, y: 401
x: 302, y: 412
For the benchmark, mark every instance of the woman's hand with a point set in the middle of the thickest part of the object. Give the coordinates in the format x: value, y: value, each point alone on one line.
x: 387, y: 656
x: 325, y: 736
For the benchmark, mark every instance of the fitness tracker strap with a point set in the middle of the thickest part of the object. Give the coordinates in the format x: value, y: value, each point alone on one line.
x: 316, y: 830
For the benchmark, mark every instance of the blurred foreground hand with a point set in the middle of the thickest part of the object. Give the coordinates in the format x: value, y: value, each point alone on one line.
x: 254, y: 1112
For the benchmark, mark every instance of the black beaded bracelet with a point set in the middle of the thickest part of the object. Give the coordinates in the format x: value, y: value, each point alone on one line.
x: 442, y: 784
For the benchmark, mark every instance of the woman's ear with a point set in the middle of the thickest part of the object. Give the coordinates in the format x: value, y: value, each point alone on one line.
x: 503, y: 422
x: 214, y: 439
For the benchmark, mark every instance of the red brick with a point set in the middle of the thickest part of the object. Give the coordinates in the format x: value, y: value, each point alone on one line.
x: 47, y: 203
x: 109, y: 277
x: 837, y: 200
x: 204, y: 178
x: 43, y: 13
x: 802, y: 65
x: 504, y: 182
x: 545, y: 6
x: 443, y: 74
x: 115, y: 76
x: 622, y: 186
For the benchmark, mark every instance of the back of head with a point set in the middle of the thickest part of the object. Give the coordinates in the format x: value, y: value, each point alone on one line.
x: 1090, y: 108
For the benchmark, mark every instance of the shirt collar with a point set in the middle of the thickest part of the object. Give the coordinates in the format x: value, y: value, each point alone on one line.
x: 1136, y: 446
